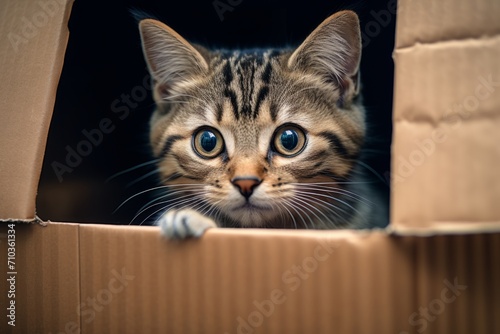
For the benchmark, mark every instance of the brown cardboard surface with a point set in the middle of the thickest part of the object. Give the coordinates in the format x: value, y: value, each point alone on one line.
x: 365, y: 283
x: 446, y: 120
x: 47, y: 283
x: 32, y: 45
x: 133, y: 281
x: 430, y: 21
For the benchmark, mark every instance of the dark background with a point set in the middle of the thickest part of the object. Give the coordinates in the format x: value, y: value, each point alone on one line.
x: 104, y: 60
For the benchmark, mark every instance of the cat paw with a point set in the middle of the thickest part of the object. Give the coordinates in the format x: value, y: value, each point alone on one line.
x: 182, y: 224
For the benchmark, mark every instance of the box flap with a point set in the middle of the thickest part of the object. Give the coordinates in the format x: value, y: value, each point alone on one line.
x: 33, y: 40
x: 430, y: 21
x: 446, y: 118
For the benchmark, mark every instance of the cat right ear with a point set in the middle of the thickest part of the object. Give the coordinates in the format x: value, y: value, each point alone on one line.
x: 333, y: 51
x: 170, y: 58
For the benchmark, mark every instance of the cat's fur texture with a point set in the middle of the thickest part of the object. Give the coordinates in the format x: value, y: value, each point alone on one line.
x: 284, y: 130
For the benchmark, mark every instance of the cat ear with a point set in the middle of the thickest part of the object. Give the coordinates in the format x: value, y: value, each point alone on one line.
x: 170, y: 58
x: 332, y: 50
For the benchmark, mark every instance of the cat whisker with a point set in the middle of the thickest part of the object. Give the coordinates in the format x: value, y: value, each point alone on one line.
x: 327, y: 205
x: 202, y: 207
x: 288, y: 211
x: 340, y: 191
x: 211, y: 207
x: 277, y: 207
x: 150, y: 204
x: 138, y: 194
x: 314, y: 197
x: 166, y: 209
x: 333, y: 182
x: 306, y: 206
x: 329, y: 197
x: 304, y: 200
x: 295, y: 208
x: 291, y: 216
x: 200, y: 203
x: 184, y: 184
x: 331, y: 209
x: 361, y: 163
x: 168, y: 194
x: 145, y: 176
x: 151, y: 189
x: 144, y: 164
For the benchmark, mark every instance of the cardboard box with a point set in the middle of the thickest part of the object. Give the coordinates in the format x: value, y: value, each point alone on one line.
x: 82, y: 278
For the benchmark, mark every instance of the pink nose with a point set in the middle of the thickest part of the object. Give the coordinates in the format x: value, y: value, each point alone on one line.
x: 246, y: 185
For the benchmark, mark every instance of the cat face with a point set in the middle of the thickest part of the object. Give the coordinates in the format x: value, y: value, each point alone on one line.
x: 260, y: 137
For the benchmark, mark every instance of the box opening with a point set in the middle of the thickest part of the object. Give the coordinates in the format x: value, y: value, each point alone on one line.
x: 100, y: 122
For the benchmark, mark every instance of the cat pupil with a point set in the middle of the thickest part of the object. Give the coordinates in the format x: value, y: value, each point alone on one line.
x: 208, y: 141
x: 289, y: 139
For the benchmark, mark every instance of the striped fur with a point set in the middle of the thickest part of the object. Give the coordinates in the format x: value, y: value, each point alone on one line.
x: 246, y: 95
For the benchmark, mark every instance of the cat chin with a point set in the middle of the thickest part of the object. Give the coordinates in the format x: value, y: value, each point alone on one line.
x: 252, y: 217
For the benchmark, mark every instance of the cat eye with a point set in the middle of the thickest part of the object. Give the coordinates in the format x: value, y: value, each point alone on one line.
x: 208, y: 143
x: 289, y: 140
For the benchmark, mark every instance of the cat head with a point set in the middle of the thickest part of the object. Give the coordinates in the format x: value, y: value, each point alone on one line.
x: 258, y: 137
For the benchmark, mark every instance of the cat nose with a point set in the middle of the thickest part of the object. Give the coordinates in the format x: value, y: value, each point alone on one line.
x: 246, y: 184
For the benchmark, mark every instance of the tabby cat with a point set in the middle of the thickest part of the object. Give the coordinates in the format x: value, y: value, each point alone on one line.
x: 260, y: 138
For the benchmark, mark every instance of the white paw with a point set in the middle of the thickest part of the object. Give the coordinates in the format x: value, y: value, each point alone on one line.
x: 182, y: 224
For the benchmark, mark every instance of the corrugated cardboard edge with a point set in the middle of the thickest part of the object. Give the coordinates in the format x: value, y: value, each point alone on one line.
x: 444, y: 228
x: 35, y: 220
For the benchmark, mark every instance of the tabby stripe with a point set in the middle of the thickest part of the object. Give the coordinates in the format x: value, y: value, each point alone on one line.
x: 273, y: 109
x: 335, y: 143
x: 323, y: 172
x: 219, y: 112
x: 266, y: 75
x: 169, y: 143
x: 173, y: 177
x: 252, y: 77
x: 228, y: 75
x: 259, y: 57
x: 193, y: 177
x: 320, y: 155
x: 246, y: 109
x: 232, y: 97
x: 264, y: 91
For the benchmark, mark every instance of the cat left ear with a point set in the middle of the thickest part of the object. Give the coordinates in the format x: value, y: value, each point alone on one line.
x: 333, y: 51
x: 170, y: 58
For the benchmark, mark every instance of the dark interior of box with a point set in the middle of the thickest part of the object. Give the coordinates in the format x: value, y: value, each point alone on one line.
x: 103, y: 87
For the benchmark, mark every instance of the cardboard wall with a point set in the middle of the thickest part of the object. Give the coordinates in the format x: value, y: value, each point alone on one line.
x: 98, y: 278
x: 446, y: 117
